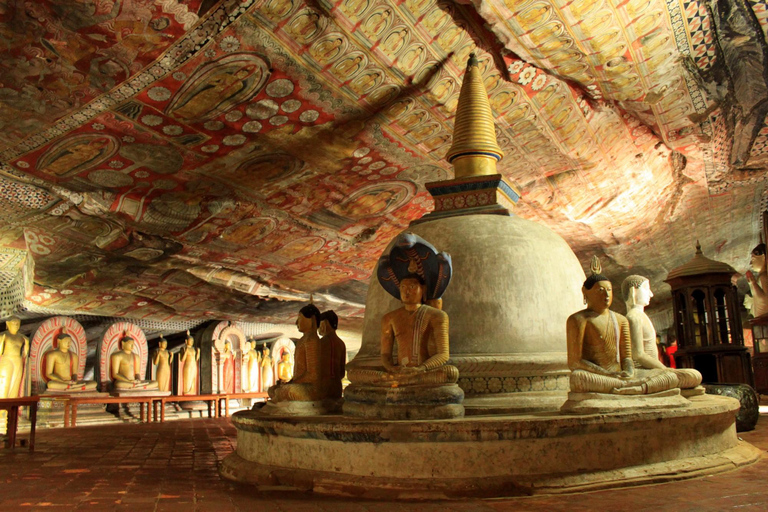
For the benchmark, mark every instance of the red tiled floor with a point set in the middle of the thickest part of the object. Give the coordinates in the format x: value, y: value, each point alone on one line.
x: 173, y: 467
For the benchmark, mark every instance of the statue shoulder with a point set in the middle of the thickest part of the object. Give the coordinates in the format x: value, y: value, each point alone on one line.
x: 634, y: 315
x: 621, y: 319
x: 436, y: 313
x: 579, y: 317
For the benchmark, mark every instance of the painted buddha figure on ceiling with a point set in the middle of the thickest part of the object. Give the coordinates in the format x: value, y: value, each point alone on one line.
x: 61, y: 368
x: 758, y: 281
x: 125, y: 369
x: 637, y: 294
x: 600, y: 347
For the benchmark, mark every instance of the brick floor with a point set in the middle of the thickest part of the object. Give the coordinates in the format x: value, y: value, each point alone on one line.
x: 172, y: 466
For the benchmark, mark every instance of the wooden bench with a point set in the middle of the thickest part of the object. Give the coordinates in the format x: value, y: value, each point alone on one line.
x: 12, y: 405
x: 213, y: 401
x: 74, y: 401
x: 239, y: 396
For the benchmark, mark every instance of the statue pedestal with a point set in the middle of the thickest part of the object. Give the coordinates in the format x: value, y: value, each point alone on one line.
x: 404, y: 403
x: 301, y: 408
x: 599, y: 403
x: 487, y: 456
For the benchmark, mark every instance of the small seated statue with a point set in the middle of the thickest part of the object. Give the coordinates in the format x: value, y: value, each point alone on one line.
x: 600, y: 352
x: 414, y: 342
x: 125, y: 369
x: 61, y: 368
x: 311, y: 382
x: 758, y: 284
x: 285, y: 367
x: 645, y: 355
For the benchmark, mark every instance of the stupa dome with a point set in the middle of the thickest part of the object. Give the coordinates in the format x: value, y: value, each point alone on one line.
x: 514, y: 284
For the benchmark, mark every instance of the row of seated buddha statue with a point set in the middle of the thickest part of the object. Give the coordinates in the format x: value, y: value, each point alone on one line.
x: 613, y: 358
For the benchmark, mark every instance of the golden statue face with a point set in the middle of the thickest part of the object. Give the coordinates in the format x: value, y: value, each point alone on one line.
x: 128, y: 344
x: 163, y: 344
x: 64, y: 343
x: 13, y: 324
x: 600, y: 296
x: 411, y: 291
x: 189, y: 341
x: 756, y: 262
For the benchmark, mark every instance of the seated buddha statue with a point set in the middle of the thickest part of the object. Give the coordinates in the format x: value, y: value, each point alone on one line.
x: 600, y: 348
x: 285, y: 367
x: 412, y: 378
x: 420, y: 334
x: 331, y: 342
x: 645, y: 355
x: 311, y: 380
x: 61, y: 368
x: 125, y: 369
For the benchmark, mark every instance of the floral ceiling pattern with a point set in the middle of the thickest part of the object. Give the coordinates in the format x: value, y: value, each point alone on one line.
x: 170, y: 160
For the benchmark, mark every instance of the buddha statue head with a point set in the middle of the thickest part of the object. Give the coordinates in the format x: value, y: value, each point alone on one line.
x: 308, y: 319
x: 189, y: 340
x: 163, y: 343
x: 126, y: 343
x: 757, y: 258
x: 412, y: 289
x: 265, y: 350
x: 63, y: 341
x: 329, y: 322
x: 636, y: 291
x: 597, y: 289
x: 13, y: 324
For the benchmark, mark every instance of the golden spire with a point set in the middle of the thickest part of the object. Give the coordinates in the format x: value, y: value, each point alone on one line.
x: 474, y: 151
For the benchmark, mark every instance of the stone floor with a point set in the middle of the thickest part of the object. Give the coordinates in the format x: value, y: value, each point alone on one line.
x: 172, y: 466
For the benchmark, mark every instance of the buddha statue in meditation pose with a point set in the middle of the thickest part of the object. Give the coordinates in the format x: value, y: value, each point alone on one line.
x: 125, y: 369
x: 285, y: 367
x: 413, y: 379
x: 311, y: 380
x: 331, y: 342
x: 758, y: 281
x: 61, y: 368
x: 637, y: 295
x: 420, y: 334
x: 600, y: 348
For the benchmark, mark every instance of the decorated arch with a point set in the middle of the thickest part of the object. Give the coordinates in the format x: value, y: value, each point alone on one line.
x: 44, y: 341
x: 110, y: 343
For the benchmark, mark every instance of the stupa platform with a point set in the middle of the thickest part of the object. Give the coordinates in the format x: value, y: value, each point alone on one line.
x: 544, y: 453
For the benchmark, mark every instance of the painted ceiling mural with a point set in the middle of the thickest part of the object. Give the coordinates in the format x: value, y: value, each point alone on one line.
x: 170, y: 160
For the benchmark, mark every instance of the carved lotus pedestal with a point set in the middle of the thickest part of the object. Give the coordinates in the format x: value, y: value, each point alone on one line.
x: 300, y: 408
x: 487, y: 455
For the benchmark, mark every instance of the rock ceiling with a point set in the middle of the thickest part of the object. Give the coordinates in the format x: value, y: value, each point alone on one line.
x: 171, y: 160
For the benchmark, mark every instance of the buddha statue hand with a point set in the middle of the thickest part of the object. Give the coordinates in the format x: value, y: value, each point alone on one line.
x: 628, y: 368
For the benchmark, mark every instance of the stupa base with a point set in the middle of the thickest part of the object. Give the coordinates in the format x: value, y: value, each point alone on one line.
x: 487, y: 456
x: 300, y: 408
x: 404, y: 403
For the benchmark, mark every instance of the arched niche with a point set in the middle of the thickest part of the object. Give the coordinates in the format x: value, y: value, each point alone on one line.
x: 44, y: 341
x: 110, y: 343
x: 279, y: 347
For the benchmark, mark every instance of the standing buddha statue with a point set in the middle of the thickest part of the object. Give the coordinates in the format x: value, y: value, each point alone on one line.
x: 14, y: 348
x: 162, y: 360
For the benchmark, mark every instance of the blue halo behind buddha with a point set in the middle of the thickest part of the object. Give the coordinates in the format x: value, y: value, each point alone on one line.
x: 410, y: 255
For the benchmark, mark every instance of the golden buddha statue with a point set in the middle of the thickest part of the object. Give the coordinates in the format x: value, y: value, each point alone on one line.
x: 600, y: 347
x: 126, y: 369
x: 310, y: 382
x: 267, y: 373
x: 227, y: 369
x: 188, y: 358
x: 61, y: 368
x: 14, y: 348
x: 251, y: 362
x: 331, y: 342
x: 758, y: 284
x: 162, y: 360
x: 637, y: 295
x: 420, y: 333
x: 285, y: 367
x: 414, y: 379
